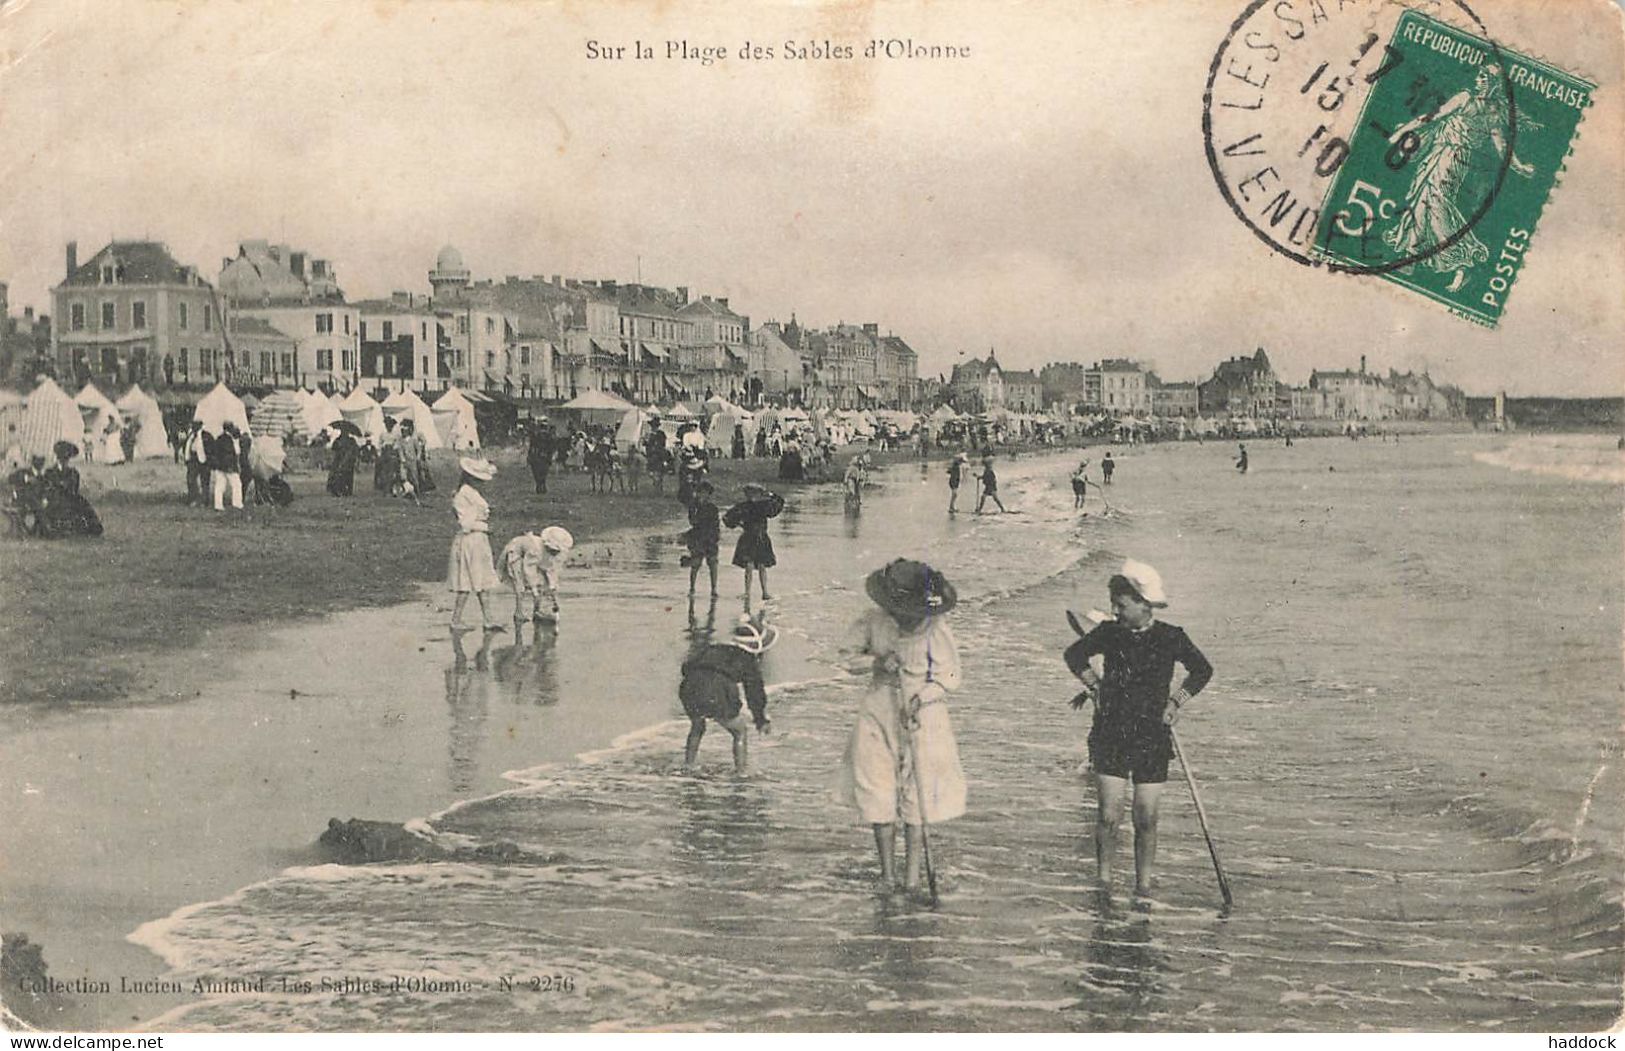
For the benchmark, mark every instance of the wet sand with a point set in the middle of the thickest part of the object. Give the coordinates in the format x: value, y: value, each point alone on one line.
x: 370, y: 714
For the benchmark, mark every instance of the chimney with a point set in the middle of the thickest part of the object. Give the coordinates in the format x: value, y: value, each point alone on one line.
x: 558, y: 282
x: 318, y: 268
x: 705, y: 299
x: 682, y: 295
x: 28, y: 314
x: 73, y: 257
x: 401, y: 298
x: 722, y: 301
x: 871, y: 329
x: 607, y: 284
x: 296, y: 263
x: 1362, y: 364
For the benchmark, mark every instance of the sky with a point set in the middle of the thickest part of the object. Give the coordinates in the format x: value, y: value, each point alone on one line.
x: 1047, y: 196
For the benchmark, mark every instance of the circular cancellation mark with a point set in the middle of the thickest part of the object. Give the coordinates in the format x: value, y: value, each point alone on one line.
x: 1284, y: 100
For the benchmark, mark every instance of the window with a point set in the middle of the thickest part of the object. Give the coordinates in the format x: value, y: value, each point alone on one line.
x: 77, y: 313
x: 287, y: 363
x: 490, y: 359
x: 108, y: 315
x: 348, y: 357
x: 425, y: 371
x: 208, y: 317
x: 138, y: 314
x: 205, y: 361
x: 490, y: 326
x: 324, y: 359
x: 347, y: 324
x: 184, y: 317
x: 107, y: 273
x: 457, y: 358
x: 109, y: 359
x: 462, y: 324
x: 324, y: 324
x: 389, y: 332
x: 265, y: 363
x: 423, y: 331
x: 524, y: 355
x: 363, y: 332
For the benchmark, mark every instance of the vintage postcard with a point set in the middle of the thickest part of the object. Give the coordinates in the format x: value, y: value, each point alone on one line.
x: 719, y: 516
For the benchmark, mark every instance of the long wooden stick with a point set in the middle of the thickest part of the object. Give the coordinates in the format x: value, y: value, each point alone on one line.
x: 1201, y: 818
x: 919, y: 797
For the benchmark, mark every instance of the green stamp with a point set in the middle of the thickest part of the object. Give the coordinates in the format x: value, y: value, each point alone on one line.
x: 1455, y: 152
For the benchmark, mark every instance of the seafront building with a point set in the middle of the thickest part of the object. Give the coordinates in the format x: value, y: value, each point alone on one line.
x: 276, y: 295
x: 132, y: 313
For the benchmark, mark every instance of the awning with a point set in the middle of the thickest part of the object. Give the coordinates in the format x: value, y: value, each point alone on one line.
x: 732, y: 353
x: 655, y: 350
x: 673, y: 386
x: 868, y: 392
x: 492, y: 381
x: 626, y: 348
x: 597, y: 348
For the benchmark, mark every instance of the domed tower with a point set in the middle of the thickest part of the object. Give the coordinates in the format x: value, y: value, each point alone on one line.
x: 449, y: 276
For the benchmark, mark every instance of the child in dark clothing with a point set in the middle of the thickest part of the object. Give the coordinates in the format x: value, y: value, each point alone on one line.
x: 1135, y: 705
x: 712, y: 682
x: 704, y: 534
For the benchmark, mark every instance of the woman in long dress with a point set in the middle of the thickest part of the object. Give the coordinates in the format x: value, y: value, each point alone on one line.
x: 470, y: 566
x: 903, y: 717
x: 1449, y: 150
x: 341, y: 473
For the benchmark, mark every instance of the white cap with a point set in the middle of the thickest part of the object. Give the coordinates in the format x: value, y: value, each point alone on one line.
x: 1145, y: 580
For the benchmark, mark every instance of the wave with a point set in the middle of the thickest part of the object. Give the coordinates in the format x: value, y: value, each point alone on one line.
x: 1576, y: 457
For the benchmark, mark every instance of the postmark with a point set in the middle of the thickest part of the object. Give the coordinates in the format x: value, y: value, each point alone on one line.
x: 1285, y: 92
x: 1450, y: 165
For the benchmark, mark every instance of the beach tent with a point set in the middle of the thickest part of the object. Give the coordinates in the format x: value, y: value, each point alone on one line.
x: 454, y: 420
x: 50, y: 416
x: 151, y: 439
x: 630, y: 432
x: 721, y: 433
x: 359, y: 408
x: 282, y: 414
x: 219, y: 407
x: 717, y: 403
x: 680, y: 412
x: 598, y: 406
x: 97, y: 411
x: 320, y: 411
x: 405, y: 405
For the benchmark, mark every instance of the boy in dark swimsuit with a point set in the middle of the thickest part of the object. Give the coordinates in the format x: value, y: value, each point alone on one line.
x: 1134, y: 707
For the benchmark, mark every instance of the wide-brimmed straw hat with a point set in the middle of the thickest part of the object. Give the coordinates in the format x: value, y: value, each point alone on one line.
x: 1146, y: 582
x: 557, y: 538
x: 482, y: 469
x: 911, y: 589
x: 752, y: 637
x: 754, y: 487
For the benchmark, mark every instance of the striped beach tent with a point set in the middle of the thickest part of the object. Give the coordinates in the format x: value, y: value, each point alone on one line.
x: 282, y: 414
x: 50, y: 416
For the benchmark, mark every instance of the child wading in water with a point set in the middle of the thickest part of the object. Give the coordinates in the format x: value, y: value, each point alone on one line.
x: 704, y: 536
x: 902, y: 751
x: 990, y: 486
x: 1080, y: 485
x: 530, y: 563
x: 755, y: 549
x: 469, y: 567
x: 712, y: 682
x: 1134, y: 708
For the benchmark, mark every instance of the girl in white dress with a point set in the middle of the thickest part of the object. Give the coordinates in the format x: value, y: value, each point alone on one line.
x: 903, y: 717
x: 470, y: 567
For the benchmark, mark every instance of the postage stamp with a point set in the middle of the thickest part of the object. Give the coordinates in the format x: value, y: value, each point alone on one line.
x: 1454, y: 155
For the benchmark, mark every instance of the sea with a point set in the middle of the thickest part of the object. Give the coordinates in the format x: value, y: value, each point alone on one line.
x: 1409, y: 758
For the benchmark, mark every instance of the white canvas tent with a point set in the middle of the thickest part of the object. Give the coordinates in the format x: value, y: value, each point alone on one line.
x: 218, y: 407
x: 359, y: 408
x: 721, y: 433
x: 50, y: 416
x: 98, y: 411
x: 630, y: 432
x: 320, y: 411
x: 454, y: 420
x: 405, y: 405
x: 597, y: 406
x: 151, y: 439
x: 680, y: 412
